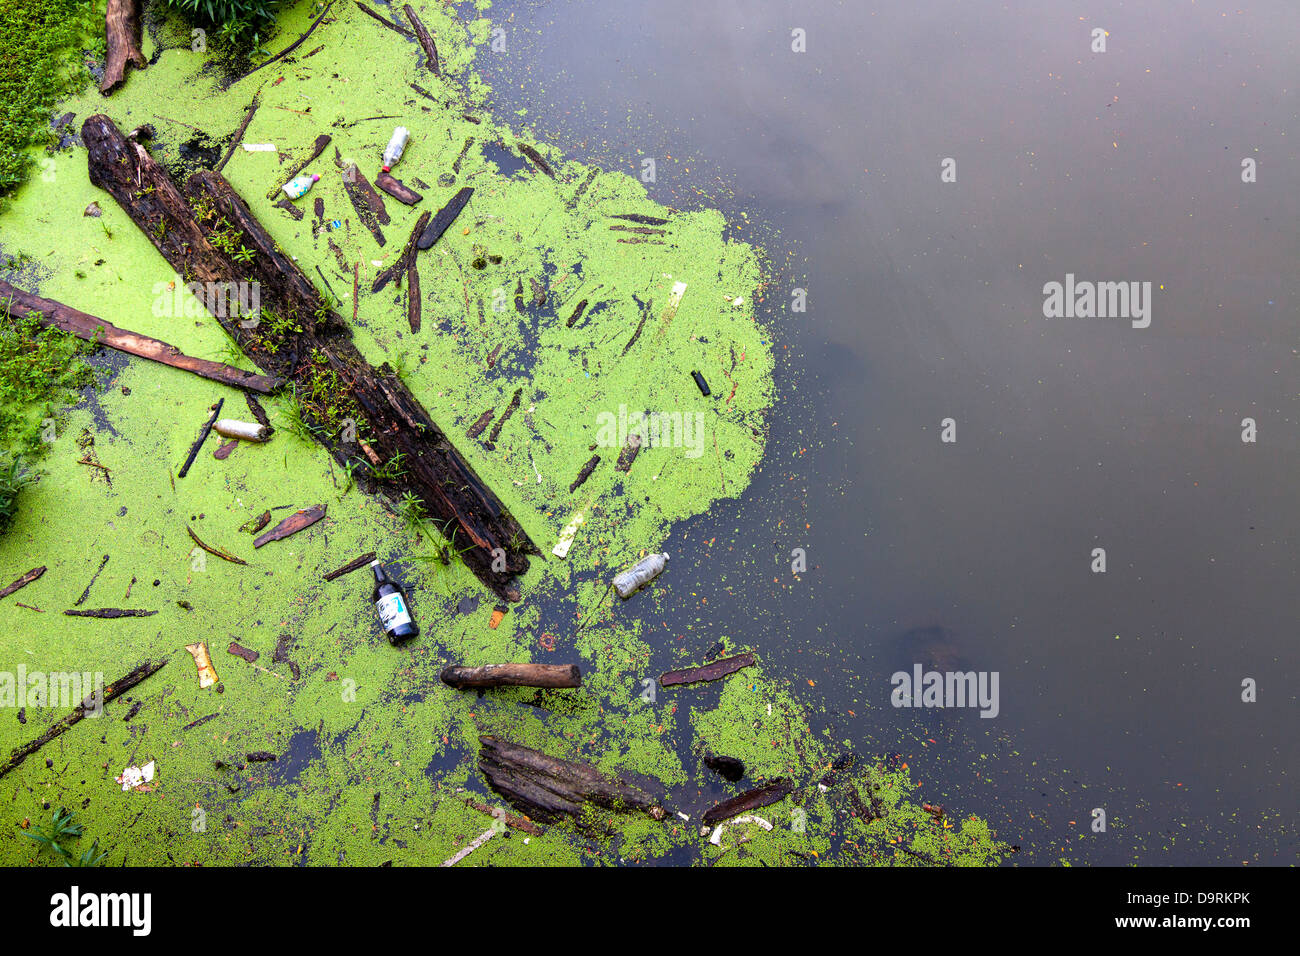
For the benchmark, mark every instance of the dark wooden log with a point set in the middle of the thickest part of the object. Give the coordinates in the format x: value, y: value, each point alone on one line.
x: 23, y: 581
x: 122, y: 37
x: 109, y: 613
x: 505, y: 417
x: 413, y: 306
x: 397, y: 189
x: 299, y: 521
x: 513, y: 675
x: 548, y: 788
x: 730, y: 768
x: 370, y: 208
x: 89, y: 705
x: 477, y: 428
x: 445, y: 217
x: 353, y: 565
x: 769, y: 793
x: 514, y: 821
x: 715, y: 671
x: 644, y: 220
x: 102, y: 332
x: 322, y: 141
x: 426, y: 41
x: 627, y: 455
x: 577, y: 314
x: 401, y: 431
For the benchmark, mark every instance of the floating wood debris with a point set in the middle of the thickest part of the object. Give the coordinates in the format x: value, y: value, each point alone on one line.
x: 715, y: 671
x: 638, y: 217
x: 505, y: 416
x: 370, y: 208
x: 292, y: 525
x: 22, y: 582
x: 585, y: 473
x: 406, y: 259
x: 577, y: 314
x: 247, y: 653
x: 110, y: 612
x: 445, y: 217
x: 627, y: 455
x: 481, y: 423
x: 548, y: 788
x: 426, y: 41
x: 239, y: 133
x: 292, y: 46
x: 767, y: 794
x: 203, y: 436
x: 102, y: 332
x: 513, y: 675
x: 536, y: 158
x: 353, y: 565
x: 93, y: 578
x: 254, y: 525
x: 90, y: 705
x: 216, y: 552
x: 322, y: 141
x: 122, y: 35
x: 207, y: 673
x: 729, y: 767
x: 397, y: 189
x: 512, y: 820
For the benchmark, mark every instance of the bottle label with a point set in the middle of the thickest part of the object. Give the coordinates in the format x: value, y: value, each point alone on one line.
x: 392, y: 611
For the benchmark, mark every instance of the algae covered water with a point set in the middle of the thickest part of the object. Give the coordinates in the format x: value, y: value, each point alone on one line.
x: 700, y: 283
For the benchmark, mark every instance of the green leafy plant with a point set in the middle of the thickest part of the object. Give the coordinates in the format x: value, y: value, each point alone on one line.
x: 14, y: 477
x: 62, y: 829
x: 239, y: 23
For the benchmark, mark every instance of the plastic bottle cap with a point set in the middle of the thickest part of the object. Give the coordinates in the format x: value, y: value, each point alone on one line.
x: 315, y: 177
x: 375, y: 563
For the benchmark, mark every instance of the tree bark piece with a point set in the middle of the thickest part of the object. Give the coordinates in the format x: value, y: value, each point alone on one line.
x: 111, y: 693
x: 413, y: 306
x: 397, y: 189
x: 627, y: 455
x: 763, y: 796
x: 23, y: 581
x: 513, y: 675
x: 548, y: 788
x: 353, y: 565
x: 715, y: 671
x: 122, y: 36
x: 426, y: 41
x: 432, y: 470
x: 370, y: 208
x: 536, y: 158
x: 89, y: 327
x: 445, y: 217
x: 292, y: 525
x: 585, y: 473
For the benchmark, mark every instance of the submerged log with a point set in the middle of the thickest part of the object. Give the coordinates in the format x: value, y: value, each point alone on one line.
x: 715, y: 671
x: 402, y: 435
x: 548, y: 788
x: 513, y: 675
x: 763, y: 796
x: 102, y: 332
x: 122, y: 38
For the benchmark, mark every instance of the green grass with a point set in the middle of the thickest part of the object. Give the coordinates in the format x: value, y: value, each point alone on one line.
x: 42, y: 42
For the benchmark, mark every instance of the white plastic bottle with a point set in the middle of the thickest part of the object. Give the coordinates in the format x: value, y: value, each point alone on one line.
x: 393, y: 151
x: 299, y: 185
x: 639, y: 574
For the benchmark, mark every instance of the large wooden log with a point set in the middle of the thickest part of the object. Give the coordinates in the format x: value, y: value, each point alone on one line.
x: 122, y: 37
x: 416, y: 455
x: 102, y: 332
x: 512, y: 675
x: 548, y: 788
x: 766, y: 795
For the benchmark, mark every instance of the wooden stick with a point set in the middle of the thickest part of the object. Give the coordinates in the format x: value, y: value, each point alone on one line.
x: 763, y: 796
x: 715, y: 671
x: 477, y: 842
x: 23, y: 581
x: 351, y: 566
x: 292, y: 46
x: 513, y: 675
x: 407, y: 256
x: 322, y: 141
x: 396, y: 27
x: 214, y: 551
x: 513, y: 820
x: 426, y: 41
x: 292, y: 525
x: 239, y: 133
x: 445, y: 217
x: 203, y: 436
x: 102, y: 332
x: 122, y: 36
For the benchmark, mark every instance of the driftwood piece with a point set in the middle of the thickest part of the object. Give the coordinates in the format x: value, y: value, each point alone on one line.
x: 102, y: 332
x: 405, y: 260
x: 536, y: 158
x: 353, y: 565
x: 481, y: 423
x: 763, y: 796
x: 396, y: 27
x: 109, y: 613
x: 322, y: 141
x: 627, y: 455
x: 585, y: 473
x: 445, y: 217
x: 505, y: 417
x: 203, y: 436
x: 397, y: 189
x: 715, y: 671
x: 122, y: 35
x: 294, y: 45
x: 292, y: 525
x: 638, y: 217
x: 513, y: 675
x: 730, y: 768
x: 247, y: 653
x: 239, y: 133
x: 577, y: 314
x: 370, y: 208
x: 23, y: 581
x: 548, y: 788
x: 93, y: 578
x: 432, y: 469
x: 426, y: 41
x: 413, y: 306
x: 217, y: 552
x: 254, y: 525
x: 89, y: 705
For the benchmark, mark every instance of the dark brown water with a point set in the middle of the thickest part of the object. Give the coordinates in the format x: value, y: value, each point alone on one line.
x: 925, y: 300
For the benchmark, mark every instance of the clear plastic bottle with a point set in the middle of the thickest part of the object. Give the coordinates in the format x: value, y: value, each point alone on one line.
x: 393, y: 151
x: 394, y: 612
x: 299, y: 185
x: 639, y: 574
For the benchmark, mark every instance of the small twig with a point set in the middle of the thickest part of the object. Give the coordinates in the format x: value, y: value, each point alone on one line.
x: 86, y: 593
x: 214, y: 551
x: 239, y: 133
x: 203, y: 436
x: 292, y: 46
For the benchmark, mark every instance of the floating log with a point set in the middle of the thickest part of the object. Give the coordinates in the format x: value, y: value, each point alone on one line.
x: 102, y: 332
x: 627, y: 455
x: 89, y: 705
x: 715, y: 671
x: 477, y: 428
x: 769, y: 793
x: 426, y: 41
x: 397, y: 189
x: 577, y: 314
x: 122, y: 37
x: 23, y: 581
x: 291, y: 525
x: 431, y: 468
x: 353, y: 565
x: 254, y: 525
x: 445, y: 217
x: 413, y: 306
x: 505, y: 417
x: 548, y: 788
x: 536, y: 158
x: 638, y: 217
x: 513, y: 675
x: 322, y: 141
